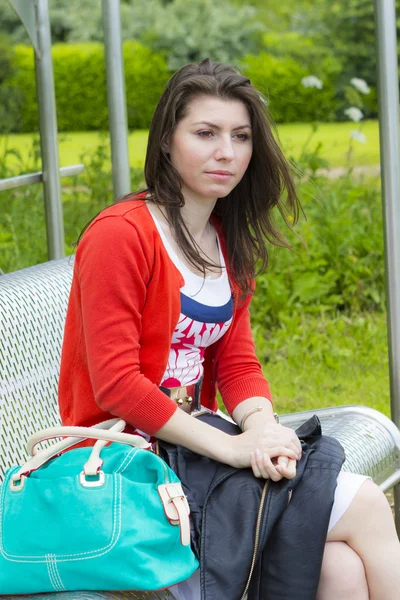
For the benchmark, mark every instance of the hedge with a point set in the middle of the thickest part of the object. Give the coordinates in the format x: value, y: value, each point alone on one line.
x: 79, y: 74
x: 80, y: 87
x: 279, y: 80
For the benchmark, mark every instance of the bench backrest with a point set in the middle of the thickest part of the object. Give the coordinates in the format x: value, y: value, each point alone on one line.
x: 33, y: 304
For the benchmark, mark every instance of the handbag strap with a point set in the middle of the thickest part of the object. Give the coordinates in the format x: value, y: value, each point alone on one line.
x: 76, y: 434
x: 103, y: 431
x: 95, y: 462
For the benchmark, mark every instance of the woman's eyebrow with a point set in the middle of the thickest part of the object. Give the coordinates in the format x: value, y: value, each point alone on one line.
x: 214, y: 126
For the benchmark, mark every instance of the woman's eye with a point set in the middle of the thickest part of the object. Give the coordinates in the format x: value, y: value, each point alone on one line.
x: 205, y: 134
x: 242, y: 136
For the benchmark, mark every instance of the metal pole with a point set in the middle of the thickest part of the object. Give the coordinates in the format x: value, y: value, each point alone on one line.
x: 48, y: 133
x: 388, y: 95
x: 116, y: 97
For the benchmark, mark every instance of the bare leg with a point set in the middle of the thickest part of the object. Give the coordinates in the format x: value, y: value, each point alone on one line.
x: 342, y: 574
x: 368, y: 528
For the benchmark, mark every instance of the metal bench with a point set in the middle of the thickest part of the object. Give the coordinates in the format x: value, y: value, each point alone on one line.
x: 33, y: 304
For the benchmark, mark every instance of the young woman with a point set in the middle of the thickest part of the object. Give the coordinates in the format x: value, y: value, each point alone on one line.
x: 158, y: 313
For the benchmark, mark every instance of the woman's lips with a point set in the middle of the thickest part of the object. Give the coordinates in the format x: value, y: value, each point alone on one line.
x: 220, y: 175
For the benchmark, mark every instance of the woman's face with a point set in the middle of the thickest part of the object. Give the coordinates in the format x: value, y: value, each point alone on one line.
x: 211, y: 147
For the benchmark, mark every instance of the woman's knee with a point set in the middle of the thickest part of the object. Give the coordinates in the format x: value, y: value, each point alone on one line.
x: 368, y: 514
x: 342, y: 574
x: 372, y: 499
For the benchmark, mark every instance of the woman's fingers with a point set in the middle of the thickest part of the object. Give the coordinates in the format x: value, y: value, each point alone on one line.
x: 254, y: 465
x: 282, y: 451
x: 262, y: 466
x: 286, y: 467
x: 270, y: 468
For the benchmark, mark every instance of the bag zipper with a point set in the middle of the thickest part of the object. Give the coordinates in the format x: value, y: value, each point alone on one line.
x: 256, y: 540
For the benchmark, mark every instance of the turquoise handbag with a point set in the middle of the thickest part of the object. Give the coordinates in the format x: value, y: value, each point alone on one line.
x: 101, y: 518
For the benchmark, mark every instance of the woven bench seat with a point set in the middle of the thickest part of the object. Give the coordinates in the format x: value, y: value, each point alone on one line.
x: 33, y: 304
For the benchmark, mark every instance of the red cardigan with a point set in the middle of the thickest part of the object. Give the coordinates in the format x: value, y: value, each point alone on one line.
x: 123, y: 308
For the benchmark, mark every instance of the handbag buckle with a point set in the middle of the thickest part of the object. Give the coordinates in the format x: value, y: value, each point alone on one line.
x: 90, y: 483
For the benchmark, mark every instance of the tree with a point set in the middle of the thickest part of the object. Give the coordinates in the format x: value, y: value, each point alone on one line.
x: 183, y: 32
x: 209, y: 29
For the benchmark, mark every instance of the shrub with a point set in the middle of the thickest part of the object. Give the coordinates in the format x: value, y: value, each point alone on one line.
x: 204, y: 29
x: 22, y: 216
x: 313, y: 54
x: 80, y: 86
x: 337, y: 262
x: 279, y: 80
x: 146, y: 75
x: 10, y: 96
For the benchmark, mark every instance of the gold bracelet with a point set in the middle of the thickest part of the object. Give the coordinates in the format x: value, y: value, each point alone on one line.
x: 251, y: 410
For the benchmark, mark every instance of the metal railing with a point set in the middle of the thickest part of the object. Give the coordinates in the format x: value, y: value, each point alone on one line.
x: 35, y: 17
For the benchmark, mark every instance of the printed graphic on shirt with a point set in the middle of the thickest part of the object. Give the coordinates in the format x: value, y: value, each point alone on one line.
x: 198, y: 327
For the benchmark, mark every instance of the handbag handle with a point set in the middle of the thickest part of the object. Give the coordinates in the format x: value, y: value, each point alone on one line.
x: 95, y: 462
x: 76, y: 435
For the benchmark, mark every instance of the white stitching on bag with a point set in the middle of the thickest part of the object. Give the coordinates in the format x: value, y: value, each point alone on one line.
x: 89, y: 554
x: 50, y: 572
x: 82, y: 555
x: 57, y: 575
x: 133, y: 452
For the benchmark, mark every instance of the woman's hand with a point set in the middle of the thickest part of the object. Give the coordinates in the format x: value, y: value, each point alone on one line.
x: 277, y: 434
x: 275, y: 469
x: 264, y: 444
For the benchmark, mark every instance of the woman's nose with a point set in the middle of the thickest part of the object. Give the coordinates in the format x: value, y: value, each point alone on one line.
x: 225, y: 149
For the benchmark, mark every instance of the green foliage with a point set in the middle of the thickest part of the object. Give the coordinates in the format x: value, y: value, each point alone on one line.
x: 337, y: 261
x: 146, y: 76
x: 10, y: 97
x: 310, y: 52
x: 183, y: 32
x: 279, y: 79
x: 215, y: 30
x: 82, y: 21
x: 23, y: 79
x: 81, y: 96
x: 318, y: 361
x: 22, y: 219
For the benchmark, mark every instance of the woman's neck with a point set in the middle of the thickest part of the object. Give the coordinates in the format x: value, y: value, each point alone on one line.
x: 197, y: 219
x: 195, y: 213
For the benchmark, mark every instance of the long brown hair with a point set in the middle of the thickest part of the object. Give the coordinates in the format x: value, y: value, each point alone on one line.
x: 246, y: 213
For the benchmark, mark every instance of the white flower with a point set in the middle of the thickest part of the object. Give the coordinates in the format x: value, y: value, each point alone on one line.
x: 360, y: 85
x: 354, y: 114
x: 312, y: 82
x: 358, y: 136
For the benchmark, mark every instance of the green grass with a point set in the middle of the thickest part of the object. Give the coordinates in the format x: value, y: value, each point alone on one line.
x: 335, y: 139
x: 73, y: 145
x: 318, y: 362
x: 333, y: 136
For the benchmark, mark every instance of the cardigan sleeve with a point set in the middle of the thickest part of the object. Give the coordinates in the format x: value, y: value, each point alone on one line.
x: 113, y: 272
x: 239, y: 374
